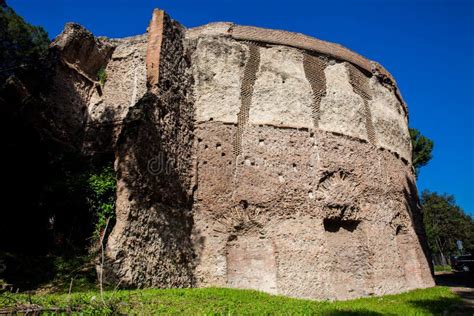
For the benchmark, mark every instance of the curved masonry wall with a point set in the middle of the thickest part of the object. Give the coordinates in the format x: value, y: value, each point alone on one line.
x: 325, y: 91
x: 251, y: 158
x: 304, y: 165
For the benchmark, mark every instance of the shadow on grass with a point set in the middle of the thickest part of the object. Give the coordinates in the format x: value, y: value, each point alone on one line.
x: 436, y: 306
x: 465, y: 294
x: 354, y: 313
x: 455, y: 279
x: 26, y: 272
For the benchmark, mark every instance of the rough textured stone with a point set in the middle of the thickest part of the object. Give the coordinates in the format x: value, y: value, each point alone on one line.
x: 150, y: 244
x: 390, y: 123
x: 217, y: 70
x: 255, y: 158
x: 153, y: 54
x: 342, y: 110
x: 77, y: 56
x: 125, y: 85
x: 80, y: 49
x: 282, y: 95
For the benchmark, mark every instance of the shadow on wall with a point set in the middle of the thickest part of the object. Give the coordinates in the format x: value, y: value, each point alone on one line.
x: 101, y: 134
x: 414, y: 210
x: 151, y: 244
x: 48, y: 214
x: 154, y: 207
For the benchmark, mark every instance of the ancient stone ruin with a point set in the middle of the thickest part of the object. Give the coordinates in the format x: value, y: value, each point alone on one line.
x: 246, y: 158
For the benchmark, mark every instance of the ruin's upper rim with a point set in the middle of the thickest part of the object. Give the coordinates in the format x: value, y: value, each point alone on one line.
x: 296, y: 40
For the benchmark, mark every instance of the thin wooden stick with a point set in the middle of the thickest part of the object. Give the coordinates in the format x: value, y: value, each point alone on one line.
x: 69, y: 293
x: 101, y: 283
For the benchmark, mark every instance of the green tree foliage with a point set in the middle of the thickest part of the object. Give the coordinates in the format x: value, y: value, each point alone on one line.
x: 21, y: 44
x: 57, y: 201
x: 445, y: 222
x: 94, y: 188
x: 422, y: 149
x: 77, y: 198
x: 101, y: 197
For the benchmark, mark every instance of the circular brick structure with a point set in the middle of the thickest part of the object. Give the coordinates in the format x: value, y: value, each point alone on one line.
x: 249, y: 158
x: 304, y: 179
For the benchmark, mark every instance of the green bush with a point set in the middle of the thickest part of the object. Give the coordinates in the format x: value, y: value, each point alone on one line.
x: 92, y: 190
x: 102, y: 76
x: 101, y: 198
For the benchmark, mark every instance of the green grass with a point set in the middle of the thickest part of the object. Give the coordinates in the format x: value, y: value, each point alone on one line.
x: 219, y: 301
x: 445, y: 268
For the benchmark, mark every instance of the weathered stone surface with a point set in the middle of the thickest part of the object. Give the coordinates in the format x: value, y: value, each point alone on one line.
x: 254, y: 158
x: 251, y: 263
x: 282, y: 95
x: 390, y: 123
x: 154, y: 173
x: 77, y: 56
x: 342, y: 110
x: 90, y: 113
x: 153, y: 54
x: 218, y: 69
x: 81, y: 50
x: 338, y: 223
x: 330, y: 213
x: 124, y: 87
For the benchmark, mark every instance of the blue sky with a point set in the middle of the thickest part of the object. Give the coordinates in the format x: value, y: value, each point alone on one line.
x: 427, y: 45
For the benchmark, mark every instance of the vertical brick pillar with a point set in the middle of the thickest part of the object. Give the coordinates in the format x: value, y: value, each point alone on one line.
x: 154, y: 170
x: 153, y: 51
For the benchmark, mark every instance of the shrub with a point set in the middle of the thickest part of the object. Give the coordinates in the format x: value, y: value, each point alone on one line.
x: 102, y: 76
x: 101, y: 198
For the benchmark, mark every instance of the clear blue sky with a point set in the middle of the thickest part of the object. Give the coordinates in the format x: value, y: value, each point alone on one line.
x: 427, y: 45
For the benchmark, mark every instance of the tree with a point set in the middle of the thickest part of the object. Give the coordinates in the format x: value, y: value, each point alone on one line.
x: 445, y: 222
x: 422, y: 149
x: 21, y: 44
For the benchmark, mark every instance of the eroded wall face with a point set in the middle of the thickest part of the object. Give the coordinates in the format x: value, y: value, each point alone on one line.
x: 87, y: 112
x: 251, y: 263
x: 150, y: 245
x: 246, y: 164
x: 77, y: 56
x: 304, y: 183
x: 124, y: 86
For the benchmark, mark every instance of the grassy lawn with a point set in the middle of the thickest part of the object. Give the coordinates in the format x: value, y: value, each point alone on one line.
x: 219, y: 301
x: 446, y: 268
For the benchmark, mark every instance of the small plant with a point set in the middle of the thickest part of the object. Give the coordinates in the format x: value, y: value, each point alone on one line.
x: 102, y: 76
